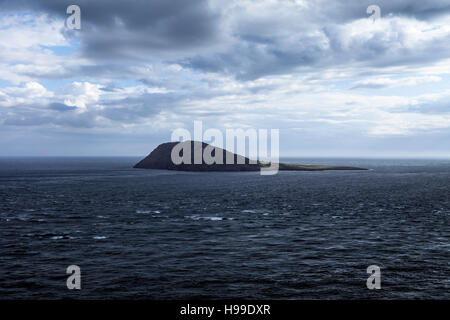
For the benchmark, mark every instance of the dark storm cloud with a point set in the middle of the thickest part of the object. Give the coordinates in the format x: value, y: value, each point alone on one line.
x: 123, y: 29
x: 316, y: 38
x: 242, y: 39
x: 341, y: 11
x: 251, y: 60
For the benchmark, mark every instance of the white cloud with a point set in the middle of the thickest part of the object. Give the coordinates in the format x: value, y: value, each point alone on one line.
x: 81, y: 95
x: 408, y: 124
x: 376, y: 83
x: 30, y: 31
x: 30, y: 92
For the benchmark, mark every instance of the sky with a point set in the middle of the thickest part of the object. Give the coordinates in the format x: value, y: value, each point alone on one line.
x: 335, y: 81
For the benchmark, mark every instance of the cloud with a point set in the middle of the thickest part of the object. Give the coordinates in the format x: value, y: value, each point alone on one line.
x: 409, y: 123
x: 81, y: 94
x: 30, y: 91
x: 249, y: 39
x: 378, y: 83
x: 119, y: 29
x: 24, y: 31
x: 153, y: 66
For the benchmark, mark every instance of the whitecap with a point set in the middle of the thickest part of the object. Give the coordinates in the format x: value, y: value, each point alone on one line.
x: 197, y: 217
x: 99, y: 237
x: 261, y: 211
x: 193, y: 217
x: 214, y: 218
x: 143, y: 211
x: 147, y: 211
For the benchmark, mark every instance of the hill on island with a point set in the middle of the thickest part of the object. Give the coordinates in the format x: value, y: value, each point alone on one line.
x: 161, y: 158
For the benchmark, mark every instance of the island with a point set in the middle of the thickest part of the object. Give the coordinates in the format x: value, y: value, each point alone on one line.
x: 161, y: 158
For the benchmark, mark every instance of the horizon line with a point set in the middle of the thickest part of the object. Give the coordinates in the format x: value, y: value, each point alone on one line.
x: 281, y: 157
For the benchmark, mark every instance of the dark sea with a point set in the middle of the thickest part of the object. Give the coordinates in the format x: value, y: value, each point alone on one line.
x: 153, y: 234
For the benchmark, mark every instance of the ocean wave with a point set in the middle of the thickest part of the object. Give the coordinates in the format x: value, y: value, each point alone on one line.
x: 99, y: 237
x: 147, y: 211
x: 257, y: 211
x: 61, y: 237
x: 197, y: 217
